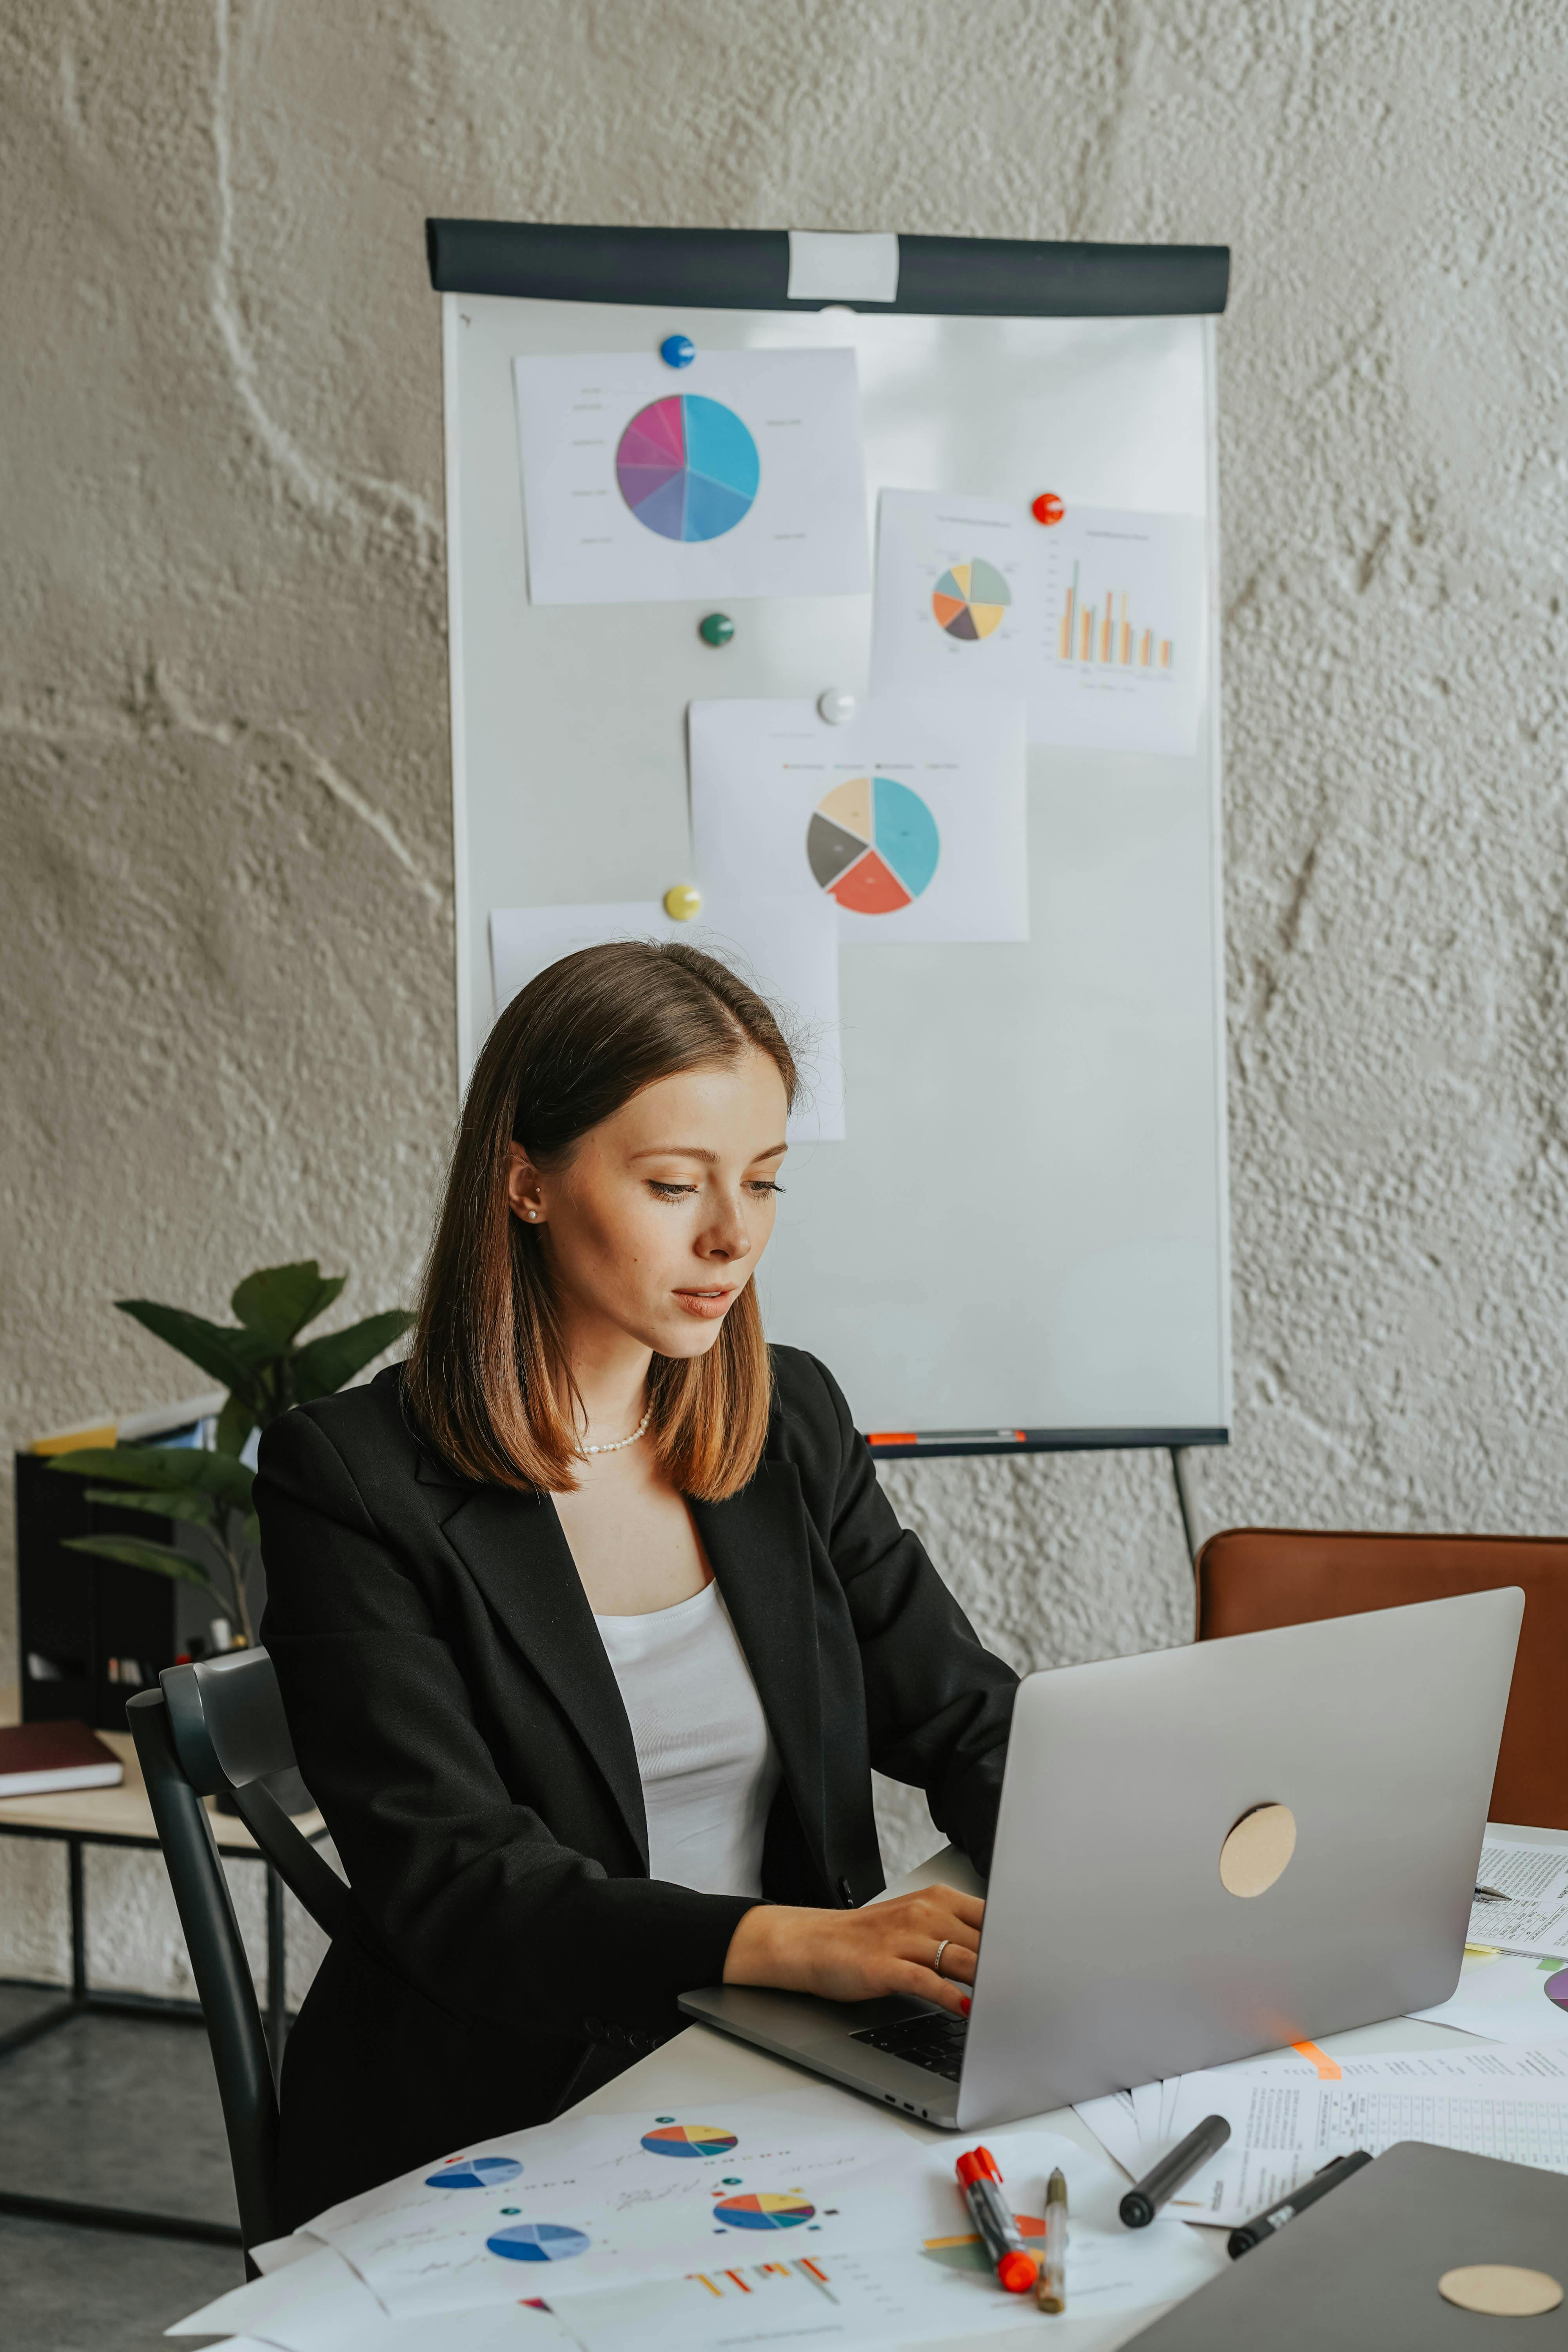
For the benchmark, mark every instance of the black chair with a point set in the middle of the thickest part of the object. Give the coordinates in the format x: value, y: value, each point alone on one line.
x: 218, y: 1729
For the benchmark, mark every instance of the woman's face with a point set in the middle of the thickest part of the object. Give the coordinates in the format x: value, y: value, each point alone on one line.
x: 657, y: 1224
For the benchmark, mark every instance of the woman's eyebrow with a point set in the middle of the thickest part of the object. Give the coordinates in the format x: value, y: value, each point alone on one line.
x: 700, y: 1152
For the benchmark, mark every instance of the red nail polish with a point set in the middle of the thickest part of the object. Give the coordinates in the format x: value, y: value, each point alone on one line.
x: 966, y: 2004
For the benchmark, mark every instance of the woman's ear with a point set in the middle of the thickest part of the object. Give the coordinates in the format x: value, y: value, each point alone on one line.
x: 523, y: 1189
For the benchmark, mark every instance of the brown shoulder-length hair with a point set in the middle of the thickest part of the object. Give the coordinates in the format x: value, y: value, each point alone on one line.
x: 486, y: 1377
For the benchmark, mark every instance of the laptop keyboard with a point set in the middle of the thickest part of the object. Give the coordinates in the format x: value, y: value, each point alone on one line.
x: 935, y: 2043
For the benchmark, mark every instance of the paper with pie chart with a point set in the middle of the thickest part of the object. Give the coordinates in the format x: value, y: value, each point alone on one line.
x: 785, y: 944
x: 1097, y: 619
x: 599, y: 2200
x: 916, y: 2271
x: 738, y: 476
x: 910, y: 821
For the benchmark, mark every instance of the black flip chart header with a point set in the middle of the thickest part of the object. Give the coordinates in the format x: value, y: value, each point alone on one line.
x: 748, y: 269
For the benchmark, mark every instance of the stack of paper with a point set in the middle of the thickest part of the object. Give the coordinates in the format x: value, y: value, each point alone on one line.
x: 1290, y: 2115
x: 1534, y: 1914
x: 629, y: 2233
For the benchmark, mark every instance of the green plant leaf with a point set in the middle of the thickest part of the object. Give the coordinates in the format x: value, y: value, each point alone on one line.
x: 239, y: 1358
x: 250, y: 1529
x: 189, y: 1504
x: 229, y: 1479
x: 166, y: 1469
x: 277, y: 1301
x: 133, y: 1466
x: 235, y: 1423
x: 322, y: 1368
x: 131, y: 1552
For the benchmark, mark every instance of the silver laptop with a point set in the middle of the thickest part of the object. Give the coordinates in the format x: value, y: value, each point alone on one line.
x: 1336, y: 1773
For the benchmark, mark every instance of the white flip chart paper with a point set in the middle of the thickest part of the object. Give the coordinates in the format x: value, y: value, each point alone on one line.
x: 738, y: 476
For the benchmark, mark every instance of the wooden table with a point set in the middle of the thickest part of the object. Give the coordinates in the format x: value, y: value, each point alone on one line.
x: 123, y: 1816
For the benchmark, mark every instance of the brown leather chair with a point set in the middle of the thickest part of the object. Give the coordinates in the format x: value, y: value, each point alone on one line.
x: 1252, y: 1578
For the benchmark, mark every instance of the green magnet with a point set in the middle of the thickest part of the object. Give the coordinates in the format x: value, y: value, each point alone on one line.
x: 716, y: 629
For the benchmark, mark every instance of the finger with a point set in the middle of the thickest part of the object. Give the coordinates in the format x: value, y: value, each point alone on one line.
x: 959, y: 1914
x: 957, y: 1936
x: 952, y: 1898
x: 949, y: 1955
x: 923, y: 1984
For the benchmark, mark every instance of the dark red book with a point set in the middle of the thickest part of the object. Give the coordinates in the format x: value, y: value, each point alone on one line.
x: 37, y: 1759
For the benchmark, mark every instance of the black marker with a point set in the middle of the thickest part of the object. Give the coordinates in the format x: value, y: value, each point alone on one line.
x: 1252, y: 2233
x: 1143, y: 2200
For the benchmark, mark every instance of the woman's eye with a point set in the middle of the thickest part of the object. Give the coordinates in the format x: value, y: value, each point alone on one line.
x: 765, y: 1185
x: 669, y: 1192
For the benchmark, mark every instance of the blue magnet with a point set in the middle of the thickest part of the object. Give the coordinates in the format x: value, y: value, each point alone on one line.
x: 677, y: 351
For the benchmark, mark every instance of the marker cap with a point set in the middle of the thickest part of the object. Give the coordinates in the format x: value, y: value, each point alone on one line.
x: 978, y: 2164
x: 1017, y: 2273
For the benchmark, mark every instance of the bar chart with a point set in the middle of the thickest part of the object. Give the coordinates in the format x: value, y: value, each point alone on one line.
x: 1092, y: 631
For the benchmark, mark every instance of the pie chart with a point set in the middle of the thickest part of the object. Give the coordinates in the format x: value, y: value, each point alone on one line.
x: 687, y: 467
x: 475, y: 2172
x: 764, y: 2210
x: 689, y: 2139
x: 971, y: 600
x: 872, y: 844
x: 538, y: 2241
x: 1557, y: 1989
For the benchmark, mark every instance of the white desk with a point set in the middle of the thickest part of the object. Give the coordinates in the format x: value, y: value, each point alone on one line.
x: 700, y: 2065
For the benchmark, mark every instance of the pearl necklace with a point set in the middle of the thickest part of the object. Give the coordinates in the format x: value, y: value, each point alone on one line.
x: 618, y: 1444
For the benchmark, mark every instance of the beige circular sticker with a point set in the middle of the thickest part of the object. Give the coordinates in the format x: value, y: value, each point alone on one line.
x: 1502, y: 2290
x: 1258, y: 1850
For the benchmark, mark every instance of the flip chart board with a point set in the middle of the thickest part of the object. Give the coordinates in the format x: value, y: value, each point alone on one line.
x: 1022, y: 1238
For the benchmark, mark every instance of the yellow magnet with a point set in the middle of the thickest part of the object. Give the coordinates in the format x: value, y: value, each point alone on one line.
x: 683, y: 901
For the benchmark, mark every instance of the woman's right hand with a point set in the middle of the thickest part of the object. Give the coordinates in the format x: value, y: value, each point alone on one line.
x: 857, y: 1955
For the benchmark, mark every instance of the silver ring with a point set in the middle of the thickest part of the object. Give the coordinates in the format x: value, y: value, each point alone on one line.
x: 936, y: 1964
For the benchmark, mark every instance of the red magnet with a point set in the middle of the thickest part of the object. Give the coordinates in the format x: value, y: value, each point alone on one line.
x: 1047, y: 508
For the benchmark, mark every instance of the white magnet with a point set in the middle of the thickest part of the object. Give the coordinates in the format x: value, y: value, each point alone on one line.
x: 836, y: 705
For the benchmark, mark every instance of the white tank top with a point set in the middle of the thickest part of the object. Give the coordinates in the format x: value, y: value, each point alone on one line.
x: 706, y: 1758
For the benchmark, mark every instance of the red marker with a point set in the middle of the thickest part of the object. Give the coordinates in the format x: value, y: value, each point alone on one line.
x: 980, y: 2179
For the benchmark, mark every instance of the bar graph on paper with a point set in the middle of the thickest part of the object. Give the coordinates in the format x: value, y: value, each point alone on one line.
x: 1108, y: 634
x: 1120, y: 638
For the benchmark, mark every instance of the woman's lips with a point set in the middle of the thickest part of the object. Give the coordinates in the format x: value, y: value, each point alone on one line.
x: 707, y: 1305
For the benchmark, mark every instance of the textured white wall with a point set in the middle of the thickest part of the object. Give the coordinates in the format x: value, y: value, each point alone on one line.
x: 224, y: 917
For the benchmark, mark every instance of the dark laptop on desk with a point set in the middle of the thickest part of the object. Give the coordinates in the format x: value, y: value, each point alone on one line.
x: 1202, y: 1853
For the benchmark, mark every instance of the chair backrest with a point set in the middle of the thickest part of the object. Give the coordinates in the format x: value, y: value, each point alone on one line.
x: 224, y: 1981
x: 1252, y: 1578
x: 229, y: 1729
x: 213, y: 1728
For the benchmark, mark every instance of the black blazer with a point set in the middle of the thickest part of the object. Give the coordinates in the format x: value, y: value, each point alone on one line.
x: 459, y: 1723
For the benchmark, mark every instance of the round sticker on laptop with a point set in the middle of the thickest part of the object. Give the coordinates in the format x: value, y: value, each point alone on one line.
x: 1258, y: 1850
x: 1502, y: 2290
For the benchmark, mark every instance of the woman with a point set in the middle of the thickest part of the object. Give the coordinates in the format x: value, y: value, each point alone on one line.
x: 591, y: 1620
